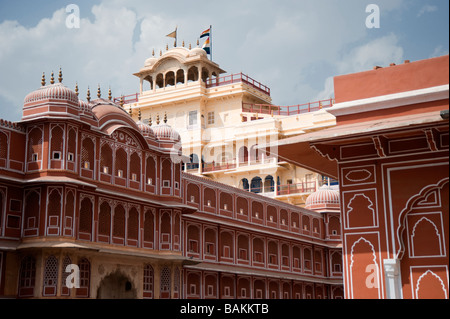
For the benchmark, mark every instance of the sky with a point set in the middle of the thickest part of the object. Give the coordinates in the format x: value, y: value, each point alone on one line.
x: 295, y: 47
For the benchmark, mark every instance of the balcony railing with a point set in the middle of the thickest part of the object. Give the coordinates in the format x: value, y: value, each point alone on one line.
x: 288, y: 189
x: 286, y: 110
x: 132, y: 98
x: 305, y: 187
x: 235, y: 78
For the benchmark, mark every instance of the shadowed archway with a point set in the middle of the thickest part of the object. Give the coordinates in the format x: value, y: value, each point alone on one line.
x: 116, y: 286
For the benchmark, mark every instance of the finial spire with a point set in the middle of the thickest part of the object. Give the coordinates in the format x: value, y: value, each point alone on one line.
x: 139, y: 115
x: 131, y: 111
x: 190, y: 47
x: 165, y: 117
x: 167, y: 47
x: 198, y: 42
x: 52, y: 79
x: 121, y: 101
x: 99, y: 92
x: 60, y: 78
x: 43, y: 79
x: 153, y: 52
x: 160, y: 52
x: 88, y: 97
x: 76, y: 88
x: 182, y: 44
x: 150, y: 120
x: 109, y: 94
x: 157, y: 119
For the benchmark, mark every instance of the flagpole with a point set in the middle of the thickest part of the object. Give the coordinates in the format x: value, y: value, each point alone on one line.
x: 210, y: 42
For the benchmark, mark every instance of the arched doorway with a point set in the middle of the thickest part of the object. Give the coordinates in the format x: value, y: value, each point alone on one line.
x: 116, y: 286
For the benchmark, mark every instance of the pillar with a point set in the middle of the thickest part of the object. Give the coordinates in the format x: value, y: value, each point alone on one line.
x: 392, y: 278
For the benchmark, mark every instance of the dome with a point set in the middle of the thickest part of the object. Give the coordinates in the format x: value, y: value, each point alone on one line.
x: 57, y: 92
x: 324, y: 198
x: 197, y: 51
x: 51, y: 100
x: 150, y: 61
x: 164, y: 132
x: 145, y: 129
x: 84, y: 107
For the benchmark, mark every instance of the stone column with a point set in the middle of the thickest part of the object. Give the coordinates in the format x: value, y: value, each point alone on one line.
x: 156, y: 281
x: 392, y: 278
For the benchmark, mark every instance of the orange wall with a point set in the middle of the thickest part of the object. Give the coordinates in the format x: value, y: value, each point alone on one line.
x: 392, y: 79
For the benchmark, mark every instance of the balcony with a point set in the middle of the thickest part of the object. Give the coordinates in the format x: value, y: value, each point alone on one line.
x: 283, y: 190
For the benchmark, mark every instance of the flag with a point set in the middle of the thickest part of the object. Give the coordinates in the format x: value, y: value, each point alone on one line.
x: 207, y: 46
x: 172, y: 34
x: 205, y: 33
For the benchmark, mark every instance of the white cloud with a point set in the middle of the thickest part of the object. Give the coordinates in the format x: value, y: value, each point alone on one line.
x: 426, y: 9
x: 379, y: 52
x: 291, y: 46
x: 439, y: 51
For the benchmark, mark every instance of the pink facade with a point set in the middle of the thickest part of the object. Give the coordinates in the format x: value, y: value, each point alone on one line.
x: 390, y: 152
x: 82, y: 183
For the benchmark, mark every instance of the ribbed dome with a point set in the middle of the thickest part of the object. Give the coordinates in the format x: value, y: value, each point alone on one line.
x: 51, y: 92
x: 323, y: 198
x: 165, y: 132
x: 145, y: 129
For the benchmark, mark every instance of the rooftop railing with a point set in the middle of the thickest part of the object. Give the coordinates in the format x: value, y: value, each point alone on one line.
x: 286, y: 110
x: 235, y: 78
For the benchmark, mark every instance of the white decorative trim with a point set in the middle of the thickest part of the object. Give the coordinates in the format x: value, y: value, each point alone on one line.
x: 390, y: 100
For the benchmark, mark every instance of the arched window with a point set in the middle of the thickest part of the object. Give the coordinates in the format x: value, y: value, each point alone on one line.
x: 159, y: 81
x: 133, y: 224
x: 71, y: 150
x: 87, y: 154
x: 180, y: 76
x: 106, y: 159
x: 269, y: 184
x: 32, y: 206
x: 50, y: 277
x: 121, y: 163
x: 35, y: 145
x: 170, y: 79
x: 119, y: 222
x: 165, y: 283
x: 193, y: 74
x: 54, y: 211
x: 193, y: 239
x: 150, y: 171
x: 149, y: 229
x: 148, y: 281
x: 243, y: 154
x: 85, y: 225
x: 256, y: 185
x: 135, y: 167
x: 27, y: 277
x: 57, y: 143
x: 243, y: 184
x: 104, y: 221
